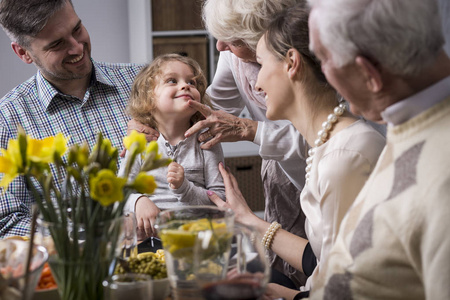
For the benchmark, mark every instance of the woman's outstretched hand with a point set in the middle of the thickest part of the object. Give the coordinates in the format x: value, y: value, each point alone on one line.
x: 234, y: 199
x: 223, y: 127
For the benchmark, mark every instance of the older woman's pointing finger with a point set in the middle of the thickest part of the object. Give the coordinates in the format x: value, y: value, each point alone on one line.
x: 222, y: 126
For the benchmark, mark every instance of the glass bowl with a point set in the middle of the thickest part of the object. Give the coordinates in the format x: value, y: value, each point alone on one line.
x: 13, y: 259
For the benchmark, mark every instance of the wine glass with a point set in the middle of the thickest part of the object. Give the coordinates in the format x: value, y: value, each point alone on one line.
x: 178, y: 229
x: 247, y: 268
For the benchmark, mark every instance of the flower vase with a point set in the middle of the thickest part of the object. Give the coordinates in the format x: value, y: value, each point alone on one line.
x: 81, y: 256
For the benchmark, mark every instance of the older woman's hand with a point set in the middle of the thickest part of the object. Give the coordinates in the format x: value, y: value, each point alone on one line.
x: 234, y: 199
x: 223, y: 127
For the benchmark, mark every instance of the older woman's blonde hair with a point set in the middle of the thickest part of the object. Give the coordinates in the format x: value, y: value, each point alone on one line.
x: 246, y: 20
x: 142, y: 102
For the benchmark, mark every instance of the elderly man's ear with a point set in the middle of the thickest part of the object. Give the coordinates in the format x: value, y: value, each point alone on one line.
x: 371, y: 74
x: 22, y: 53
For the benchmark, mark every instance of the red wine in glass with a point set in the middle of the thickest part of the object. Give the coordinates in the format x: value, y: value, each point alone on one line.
x: 232, y: 290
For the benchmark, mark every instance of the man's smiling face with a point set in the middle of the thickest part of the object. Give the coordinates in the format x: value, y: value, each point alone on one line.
x: 62, y: 50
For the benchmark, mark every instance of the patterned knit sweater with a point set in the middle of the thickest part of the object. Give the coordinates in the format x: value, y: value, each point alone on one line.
x: 394, y: 242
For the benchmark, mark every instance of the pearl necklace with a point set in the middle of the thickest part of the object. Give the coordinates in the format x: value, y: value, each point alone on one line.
x: 323, y: 135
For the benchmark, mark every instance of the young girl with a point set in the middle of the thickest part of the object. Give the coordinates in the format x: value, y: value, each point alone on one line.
x: 159, y: 98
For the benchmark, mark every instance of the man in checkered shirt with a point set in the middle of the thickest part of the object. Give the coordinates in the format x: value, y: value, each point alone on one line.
x: 71, y: 93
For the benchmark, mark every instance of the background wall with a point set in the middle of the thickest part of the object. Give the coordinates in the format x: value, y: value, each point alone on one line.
x: 444, y: 6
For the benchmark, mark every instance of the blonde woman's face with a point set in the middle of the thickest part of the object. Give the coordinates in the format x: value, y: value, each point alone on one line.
x: 175, y: 87
x: 274, y: 81
x: 238, y: 48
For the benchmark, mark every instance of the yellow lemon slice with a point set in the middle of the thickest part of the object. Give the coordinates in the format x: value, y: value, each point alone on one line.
x: 183, y: 238
x: 202, y: 224
x: 177, y: 239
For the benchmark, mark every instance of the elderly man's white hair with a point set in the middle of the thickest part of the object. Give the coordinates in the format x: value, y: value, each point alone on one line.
x: 404, y: 36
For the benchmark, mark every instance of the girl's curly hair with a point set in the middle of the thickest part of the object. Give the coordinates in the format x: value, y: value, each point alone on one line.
x: 142, y: 99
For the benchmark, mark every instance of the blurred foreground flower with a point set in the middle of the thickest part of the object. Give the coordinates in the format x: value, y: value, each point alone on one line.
x: 81, y: 201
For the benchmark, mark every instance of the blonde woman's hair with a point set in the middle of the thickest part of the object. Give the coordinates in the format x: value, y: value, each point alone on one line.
x: 289, y: 30
x: 246, y: 20
x: 142, y: 102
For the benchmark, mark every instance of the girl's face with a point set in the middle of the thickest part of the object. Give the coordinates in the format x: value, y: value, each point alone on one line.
x: 274, y: 81
x: 175, y: 87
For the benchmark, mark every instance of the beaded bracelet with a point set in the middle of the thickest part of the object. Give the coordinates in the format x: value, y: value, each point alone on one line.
x: 270, y: 233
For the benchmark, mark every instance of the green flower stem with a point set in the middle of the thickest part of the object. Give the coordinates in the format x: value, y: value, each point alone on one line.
x: 36, y: 196
x: 130, y: 161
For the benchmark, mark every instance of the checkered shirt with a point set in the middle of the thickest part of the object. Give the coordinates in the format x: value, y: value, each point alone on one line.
x: 43, y: 111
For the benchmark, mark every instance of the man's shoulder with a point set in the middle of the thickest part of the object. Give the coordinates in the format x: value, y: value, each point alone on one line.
x: 118, y: 67
x: 116, y: 73
x: 21, y: 92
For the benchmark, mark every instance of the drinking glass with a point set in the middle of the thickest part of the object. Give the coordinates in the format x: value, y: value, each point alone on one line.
x: 247, y: 270
x: 178, y: 229
x: 129, y: 241
x: 128, y: 286
x: 13, y: 260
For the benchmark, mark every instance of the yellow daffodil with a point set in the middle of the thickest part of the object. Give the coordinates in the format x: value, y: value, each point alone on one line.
x: 13, y: 154
x: 106, y: 187
x: 152, y: 159
x: 135, y: 137
x: 83, y: 155
x: 60, y: 144
x: 107, y: 147
x: 5, y: 164
x: 79, y: 192
x: 144, y: 183
x: 79, y: 155
x: 43, y: 151
x: 152, y: 147
x: 9, y: 171
x: 11, y: 163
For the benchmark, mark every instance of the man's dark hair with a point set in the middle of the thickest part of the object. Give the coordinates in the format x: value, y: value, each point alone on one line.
x: 24, y: 19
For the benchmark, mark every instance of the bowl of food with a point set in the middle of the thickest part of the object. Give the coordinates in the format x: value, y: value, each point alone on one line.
x: 46, y: 288
x: 149, y: 263
x: 46, y: 294
x: 13, y: 261
x: 161, y: 288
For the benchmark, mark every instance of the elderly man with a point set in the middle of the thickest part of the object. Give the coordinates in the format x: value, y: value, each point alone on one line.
x: 386, y: 58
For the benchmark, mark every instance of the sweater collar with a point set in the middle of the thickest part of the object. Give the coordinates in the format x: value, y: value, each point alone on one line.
x: 410, y: 107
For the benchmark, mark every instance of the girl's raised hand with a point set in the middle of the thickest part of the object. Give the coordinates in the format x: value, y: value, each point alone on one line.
x: 175, y: 175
